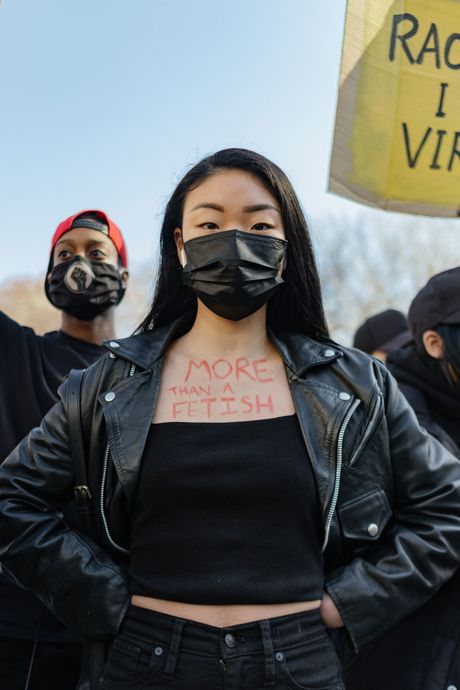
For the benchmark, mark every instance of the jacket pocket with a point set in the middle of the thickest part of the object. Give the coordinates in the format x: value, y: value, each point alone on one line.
x: 371, y: 425
x: 365, y: 518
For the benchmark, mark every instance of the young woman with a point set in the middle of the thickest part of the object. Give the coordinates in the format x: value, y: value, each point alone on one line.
x: 253, y: 483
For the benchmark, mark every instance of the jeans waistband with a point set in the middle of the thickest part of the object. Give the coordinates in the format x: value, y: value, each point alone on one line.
x: 155, y: 631
x: 248, y: 638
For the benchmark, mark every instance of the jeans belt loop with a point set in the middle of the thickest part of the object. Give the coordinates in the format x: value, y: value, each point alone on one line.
x: 269, y: 653
x: 171, y: 661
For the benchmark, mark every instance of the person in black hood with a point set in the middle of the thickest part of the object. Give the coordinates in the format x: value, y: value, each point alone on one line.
x: 382, y: 333
x: 86, y: 278
x: 428, y: 373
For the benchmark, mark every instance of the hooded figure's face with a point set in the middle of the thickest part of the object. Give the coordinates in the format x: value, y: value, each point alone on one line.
x: 443, y: 344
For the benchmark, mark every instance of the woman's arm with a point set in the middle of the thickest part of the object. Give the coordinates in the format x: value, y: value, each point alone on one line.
x: 72, y: 575
x: 423, y: 548
x: 330, y: 613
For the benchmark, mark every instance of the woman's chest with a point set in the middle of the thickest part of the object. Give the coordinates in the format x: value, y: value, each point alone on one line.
x: 222, y: 389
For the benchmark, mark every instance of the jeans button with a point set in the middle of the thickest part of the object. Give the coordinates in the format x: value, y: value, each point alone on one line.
x: 229, y: 640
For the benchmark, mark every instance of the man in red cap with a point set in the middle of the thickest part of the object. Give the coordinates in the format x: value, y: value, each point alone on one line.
x: 86, y: 279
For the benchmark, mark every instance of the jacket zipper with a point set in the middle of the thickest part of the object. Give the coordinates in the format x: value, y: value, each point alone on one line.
x: 369, y: 431
x: 338, y: 473
x: 102, y: 496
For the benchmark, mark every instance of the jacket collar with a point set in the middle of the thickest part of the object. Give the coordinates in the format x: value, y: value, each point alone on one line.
x: 298, y: 351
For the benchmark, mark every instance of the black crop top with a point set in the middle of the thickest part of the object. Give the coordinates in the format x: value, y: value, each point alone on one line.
x: 227, y: 513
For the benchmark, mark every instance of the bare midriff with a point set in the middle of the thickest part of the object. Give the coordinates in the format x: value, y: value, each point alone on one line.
x: 222, y: 616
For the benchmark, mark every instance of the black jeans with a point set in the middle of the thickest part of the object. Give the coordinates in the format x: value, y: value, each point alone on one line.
x: 159, y: 652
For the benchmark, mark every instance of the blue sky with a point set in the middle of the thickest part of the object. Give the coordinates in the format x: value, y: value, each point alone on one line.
x: 105, y: 103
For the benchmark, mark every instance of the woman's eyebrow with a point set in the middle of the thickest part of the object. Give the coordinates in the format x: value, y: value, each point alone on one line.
x: 260, y: 207
x: 215, y: 207
x: 247, y: 209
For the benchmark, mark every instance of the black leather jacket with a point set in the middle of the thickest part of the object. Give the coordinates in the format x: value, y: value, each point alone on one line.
x: 390, y: 494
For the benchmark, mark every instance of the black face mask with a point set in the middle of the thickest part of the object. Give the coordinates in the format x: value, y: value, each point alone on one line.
x: 234, y: 273
x: 83, y: 288
x: 446, y: 370
x: 450, y: 363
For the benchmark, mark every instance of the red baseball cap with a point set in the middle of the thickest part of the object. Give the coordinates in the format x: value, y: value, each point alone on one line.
x: 106, y: 225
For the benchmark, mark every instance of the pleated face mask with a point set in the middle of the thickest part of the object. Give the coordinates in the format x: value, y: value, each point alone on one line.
x: 84, y: 288
x: 234, y: 273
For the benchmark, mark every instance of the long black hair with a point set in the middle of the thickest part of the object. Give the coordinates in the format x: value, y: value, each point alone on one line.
x: 297, y: 304
x: 450, y: 333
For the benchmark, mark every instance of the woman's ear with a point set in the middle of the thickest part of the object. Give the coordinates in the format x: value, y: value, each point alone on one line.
x: 433, y: 344
x: 180, y: 246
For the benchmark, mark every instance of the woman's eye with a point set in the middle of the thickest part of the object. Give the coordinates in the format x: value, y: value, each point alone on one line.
x: 64, y: 254
x: 209, y: 226
x: 262, y: 226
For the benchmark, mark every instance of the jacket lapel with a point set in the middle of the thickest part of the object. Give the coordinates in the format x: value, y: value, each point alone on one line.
x: 127, y: 430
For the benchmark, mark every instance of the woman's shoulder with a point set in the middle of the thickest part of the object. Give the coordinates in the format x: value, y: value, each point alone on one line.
x: 307, y: 354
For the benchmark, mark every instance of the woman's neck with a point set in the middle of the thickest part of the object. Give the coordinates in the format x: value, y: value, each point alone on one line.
x: 214, y: 336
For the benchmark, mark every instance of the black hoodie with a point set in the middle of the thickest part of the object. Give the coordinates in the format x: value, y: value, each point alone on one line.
x: 436, y: 403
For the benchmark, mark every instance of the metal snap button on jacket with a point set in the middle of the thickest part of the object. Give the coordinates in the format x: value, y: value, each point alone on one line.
x: 114, y: 344
x: 344, y: 396
x: 373, y: 529
x: 328, y: 353
x: 108, y: 397
x: 229, y: 640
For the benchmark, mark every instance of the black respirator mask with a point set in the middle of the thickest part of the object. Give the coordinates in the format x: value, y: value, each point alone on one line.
x: 450, y: 362
x: 83, y: 288
x: 447, y: 366
x: 234, y: 273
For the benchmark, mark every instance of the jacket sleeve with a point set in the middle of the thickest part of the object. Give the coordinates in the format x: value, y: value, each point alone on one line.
x: 71, y: 575
x: 423, y: 548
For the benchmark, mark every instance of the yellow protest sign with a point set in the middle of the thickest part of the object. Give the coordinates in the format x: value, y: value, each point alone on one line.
x: 397, y: 133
